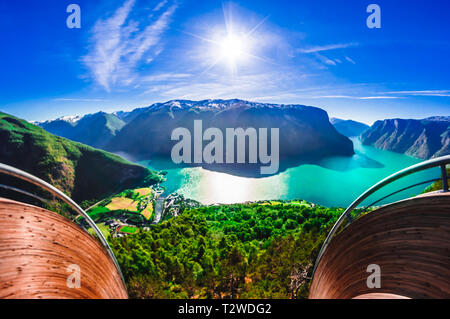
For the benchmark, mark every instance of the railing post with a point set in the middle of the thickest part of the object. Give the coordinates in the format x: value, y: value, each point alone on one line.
x: 444, y: 178
x: 350, y: 220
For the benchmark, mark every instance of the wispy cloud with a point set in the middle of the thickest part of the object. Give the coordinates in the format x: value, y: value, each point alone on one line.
x: 442, y: 93
x: 165, y: 77
x: 377, y: 97
x: 118, y: 44
x: 218, y: 86
x: 327, y: 47
x: 77, y: 100
x: 160, y: 5
x: 325, y: 60
x: 350, y: 60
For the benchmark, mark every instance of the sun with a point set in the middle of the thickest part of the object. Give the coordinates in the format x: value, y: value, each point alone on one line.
x: 232, y: 45
x: 232, y: 48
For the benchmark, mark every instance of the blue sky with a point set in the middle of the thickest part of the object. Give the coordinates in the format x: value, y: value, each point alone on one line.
x: 132, y: 53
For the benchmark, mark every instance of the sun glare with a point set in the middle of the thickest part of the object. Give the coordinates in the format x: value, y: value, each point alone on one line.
x: 232, y: 48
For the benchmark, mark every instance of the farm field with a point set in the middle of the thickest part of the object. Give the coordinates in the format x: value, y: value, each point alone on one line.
x: 132, y: 205
x: 143, y: 191
x: 148, y: 211
x: 122, y: 203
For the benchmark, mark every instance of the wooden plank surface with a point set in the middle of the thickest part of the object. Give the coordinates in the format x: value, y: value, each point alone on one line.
x: 409, y: 240
x: 37, y: 246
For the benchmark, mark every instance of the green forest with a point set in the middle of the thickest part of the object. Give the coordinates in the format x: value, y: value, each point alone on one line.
x: 257, y: 250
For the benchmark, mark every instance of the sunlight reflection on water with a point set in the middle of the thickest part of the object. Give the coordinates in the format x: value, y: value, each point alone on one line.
x: 336, y: 182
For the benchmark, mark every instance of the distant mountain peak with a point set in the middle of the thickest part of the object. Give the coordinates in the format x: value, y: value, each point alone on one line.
x: 94, y: 129
x: 348, y: 128
x: 71, y: 119
x: 438, y: 118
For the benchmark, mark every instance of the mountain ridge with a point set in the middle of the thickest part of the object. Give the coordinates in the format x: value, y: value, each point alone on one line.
x: 94, y: 129
x: 424, y: 139
x: 82, y: 172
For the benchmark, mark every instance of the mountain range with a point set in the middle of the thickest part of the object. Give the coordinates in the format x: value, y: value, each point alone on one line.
x: 306, y: 131
x: 306, y: 135
x: 426, y: 138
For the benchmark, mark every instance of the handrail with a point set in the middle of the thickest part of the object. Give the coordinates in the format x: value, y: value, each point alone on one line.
x: 21, y: 191
x: 436, y: 162
x: 402, y: 190
x: 12, y: 171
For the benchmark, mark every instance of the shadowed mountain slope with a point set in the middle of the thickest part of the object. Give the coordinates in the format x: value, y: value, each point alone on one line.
x: 424, y: 139
x: 82, y: 172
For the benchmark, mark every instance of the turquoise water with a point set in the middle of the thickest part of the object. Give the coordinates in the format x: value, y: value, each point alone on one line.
x: 336, y: 181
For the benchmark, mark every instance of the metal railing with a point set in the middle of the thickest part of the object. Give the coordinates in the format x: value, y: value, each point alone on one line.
x: 436, y: 162
x: 12, y: 171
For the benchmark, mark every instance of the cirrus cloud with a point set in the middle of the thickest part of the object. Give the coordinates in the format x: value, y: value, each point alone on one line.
x: 118, y: 44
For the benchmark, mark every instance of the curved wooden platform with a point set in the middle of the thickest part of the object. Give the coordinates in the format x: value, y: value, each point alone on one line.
x: 409, y: 240
x: 37, y: 246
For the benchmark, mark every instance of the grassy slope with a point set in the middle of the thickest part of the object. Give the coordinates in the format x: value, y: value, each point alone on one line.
x: 82, y: 172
